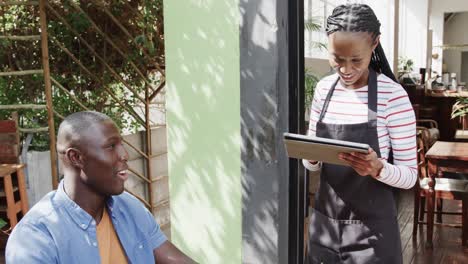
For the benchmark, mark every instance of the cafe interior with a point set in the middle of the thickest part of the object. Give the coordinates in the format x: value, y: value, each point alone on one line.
x: 428, y: 44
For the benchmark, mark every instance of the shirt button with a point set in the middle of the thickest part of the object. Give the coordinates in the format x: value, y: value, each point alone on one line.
x: 93, y: 223
x: 95, y: 244
x: 83, y: 225
x: 140, y: 246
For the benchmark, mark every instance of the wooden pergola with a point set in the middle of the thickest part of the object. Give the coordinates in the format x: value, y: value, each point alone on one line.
x: 150, y: 92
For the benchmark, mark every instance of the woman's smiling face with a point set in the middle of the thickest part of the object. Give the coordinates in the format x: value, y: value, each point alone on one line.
x: 350, y: 55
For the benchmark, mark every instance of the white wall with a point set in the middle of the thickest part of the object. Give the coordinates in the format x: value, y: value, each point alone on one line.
x: 385, y: 12
x: 38, y: 176
x: 413, y: 31
x: 318, y: 67
x: 438, y: 8
x: 455, y: 33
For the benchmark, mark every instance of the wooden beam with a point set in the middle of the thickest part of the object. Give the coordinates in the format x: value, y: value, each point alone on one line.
x: 31, y: 37
x: 20, y: 73
x: 97, y: 79
x: 59, y: 115
x: 69, y: 94
x: 12, y: 3
x: 149, y: 150
x: 138, y: 175
x: 134, y: 66
x: 158, y: 178
x: 125, y: 31
x: 22, y: 106
x: 90, y: 48
x: 48, y: 92
x: 160, y: 87
x: 136, y: 149
x: 33, y: 130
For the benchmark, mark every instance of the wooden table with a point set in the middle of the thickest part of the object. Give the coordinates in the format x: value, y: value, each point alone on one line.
x: 447, y: 94
x: 461, y: 134
x: 443, y: 156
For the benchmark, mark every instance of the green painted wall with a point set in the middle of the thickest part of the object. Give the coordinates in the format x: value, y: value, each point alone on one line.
x: 203, y: 124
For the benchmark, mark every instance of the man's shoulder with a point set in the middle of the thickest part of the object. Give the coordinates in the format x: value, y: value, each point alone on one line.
x: 34, y: 237
x: 129, y: 203
x: 35, y: 225
x: 41, y: 212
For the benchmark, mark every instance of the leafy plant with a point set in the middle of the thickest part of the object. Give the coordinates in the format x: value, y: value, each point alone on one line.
x: 141, y: 53
x: 2, y: 223
x: 313, y: 25
x: 460, y: 108
x: 310, y: 82
x: 405, y: 64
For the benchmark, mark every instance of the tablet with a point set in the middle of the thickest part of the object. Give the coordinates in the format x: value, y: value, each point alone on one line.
x: 320, y: 149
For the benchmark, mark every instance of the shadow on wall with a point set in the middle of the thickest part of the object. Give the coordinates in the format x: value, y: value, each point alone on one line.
x: 218, y: 134
x: 264, y: 113
x: 203, y: 129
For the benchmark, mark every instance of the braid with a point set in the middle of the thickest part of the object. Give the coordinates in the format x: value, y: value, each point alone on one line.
x: 360, y: 18
x: 380, y: 64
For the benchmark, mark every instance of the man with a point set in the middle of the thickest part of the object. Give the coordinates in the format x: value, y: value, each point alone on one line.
x: 89, y: 218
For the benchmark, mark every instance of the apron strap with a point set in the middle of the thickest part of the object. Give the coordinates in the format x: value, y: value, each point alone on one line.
x: 327, y: 100
x: 372, y: 98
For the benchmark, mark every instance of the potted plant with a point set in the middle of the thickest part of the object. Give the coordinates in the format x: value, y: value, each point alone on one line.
x: 405, y: 67
x: 460, y: 110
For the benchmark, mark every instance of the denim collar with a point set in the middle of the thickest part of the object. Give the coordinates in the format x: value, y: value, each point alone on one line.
x: 79, y: 216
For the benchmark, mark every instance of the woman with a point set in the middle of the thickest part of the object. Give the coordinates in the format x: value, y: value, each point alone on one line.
x: 355, y: 216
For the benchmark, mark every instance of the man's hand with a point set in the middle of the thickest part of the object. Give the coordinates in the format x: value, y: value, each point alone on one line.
x: 363, y: 164
x: 167, y: 253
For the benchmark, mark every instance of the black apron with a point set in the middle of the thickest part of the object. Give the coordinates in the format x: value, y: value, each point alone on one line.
x: 355, y: 217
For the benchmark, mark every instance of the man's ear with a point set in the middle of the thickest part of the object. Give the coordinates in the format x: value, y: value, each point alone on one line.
x: 75, y: 157
x: 376, y: 42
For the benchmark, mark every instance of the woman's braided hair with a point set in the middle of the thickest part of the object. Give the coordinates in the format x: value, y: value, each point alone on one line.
x: 360, y: 18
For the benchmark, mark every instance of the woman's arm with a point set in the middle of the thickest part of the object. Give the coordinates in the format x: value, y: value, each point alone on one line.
x: 315, y: 110
x: 400, y: 125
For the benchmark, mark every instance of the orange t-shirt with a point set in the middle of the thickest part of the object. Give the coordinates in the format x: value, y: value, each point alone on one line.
x: 110, y: 249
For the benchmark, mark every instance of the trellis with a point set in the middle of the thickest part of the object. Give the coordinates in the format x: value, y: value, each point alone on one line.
x: 150, y: 91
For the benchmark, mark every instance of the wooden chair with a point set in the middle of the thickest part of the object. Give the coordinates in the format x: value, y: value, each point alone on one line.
x: 429, y: 133
x: 13, y: 196
x: 429, y: 127
x: 453, y: 189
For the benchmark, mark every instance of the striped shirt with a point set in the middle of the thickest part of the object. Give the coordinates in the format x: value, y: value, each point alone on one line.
x: 396, y: 124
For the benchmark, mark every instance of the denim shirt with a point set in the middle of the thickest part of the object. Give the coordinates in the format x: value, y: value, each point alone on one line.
x: 57, y: 230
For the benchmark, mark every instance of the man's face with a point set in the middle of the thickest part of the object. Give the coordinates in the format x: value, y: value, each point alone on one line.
x: 104, y: 159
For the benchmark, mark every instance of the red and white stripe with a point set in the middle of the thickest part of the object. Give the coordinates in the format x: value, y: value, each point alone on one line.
x: 396, y: 124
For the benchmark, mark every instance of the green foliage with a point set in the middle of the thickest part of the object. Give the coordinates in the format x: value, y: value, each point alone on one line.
x: 2, y: 223
x: 405, y: 64
x: 313, y: 25
x: 460, y: 108
x: 310, y: 82
x: 143, y: 19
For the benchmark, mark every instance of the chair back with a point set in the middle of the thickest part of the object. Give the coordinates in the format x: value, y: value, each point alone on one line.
x: 421, y: 154
x: 9, y: 142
